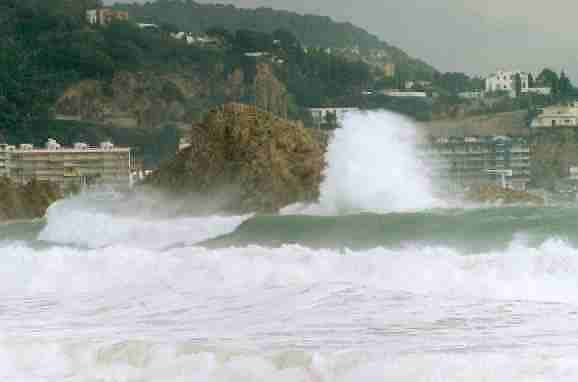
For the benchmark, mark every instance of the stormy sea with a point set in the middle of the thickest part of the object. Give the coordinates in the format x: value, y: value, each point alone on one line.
x: 381, y: 280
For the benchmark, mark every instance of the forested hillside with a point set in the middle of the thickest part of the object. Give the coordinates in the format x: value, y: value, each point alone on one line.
x: 310, y: 30
x: 48, y: 46
x: 64, y: 78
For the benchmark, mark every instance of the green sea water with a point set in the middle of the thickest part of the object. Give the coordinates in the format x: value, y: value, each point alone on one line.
x: 468, y: 230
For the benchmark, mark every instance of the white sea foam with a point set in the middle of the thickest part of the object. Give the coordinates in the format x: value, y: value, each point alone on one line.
x: 128, y: 311
x: 77, y: 222
x: 123, y: 295
x: 547, y: 273
x: 148, y: 362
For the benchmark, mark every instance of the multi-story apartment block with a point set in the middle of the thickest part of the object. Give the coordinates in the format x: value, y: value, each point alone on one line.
x: 69, y: 167
x: 472, y: 161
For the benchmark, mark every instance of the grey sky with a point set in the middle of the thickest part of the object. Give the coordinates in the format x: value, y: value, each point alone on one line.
x: 472, y: 36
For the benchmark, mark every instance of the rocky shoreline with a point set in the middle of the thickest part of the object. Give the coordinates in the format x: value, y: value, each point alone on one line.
x: 496, y: 194
x: 29, y: 201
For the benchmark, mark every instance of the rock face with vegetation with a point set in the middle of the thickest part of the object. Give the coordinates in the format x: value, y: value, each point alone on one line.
x: 27, y: 201
x: 151, y: 100
x: 496, y: 194
x: 254, y: 161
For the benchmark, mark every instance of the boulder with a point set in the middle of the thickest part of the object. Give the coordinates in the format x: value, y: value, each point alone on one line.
x: 27, y: 201
x: 250, y: 159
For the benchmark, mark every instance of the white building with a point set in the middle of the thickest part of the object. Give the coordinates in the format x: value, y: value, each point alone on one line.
x: 506, y: 82
x: 403, y: 93
x: 474, y: 94
x: 557, y: 116
x: 67, y: 166
x: 147, y: 26
x: 541, y: 91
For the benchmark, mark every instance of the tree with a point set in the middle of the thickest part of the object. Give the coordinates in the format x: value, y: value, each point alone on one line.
x: 331, y: 121
x: 168, y: 28
x: 565, y: 86
x: 550, y: 78
x: 221, y: 33
x: 518, y: 84
x: 22, y: 94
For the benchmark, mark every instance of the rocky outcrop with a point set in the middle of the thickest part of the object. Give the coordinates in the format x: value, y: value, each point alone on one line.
x: 251, y: 159
x: 27, y: 201
x: 148, y: 100
x: 496, y: 194
x: 131, y: 99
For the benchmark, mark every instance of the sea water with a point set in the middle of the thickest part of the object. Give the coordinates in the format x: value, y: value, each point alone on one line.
x: 383, y: 283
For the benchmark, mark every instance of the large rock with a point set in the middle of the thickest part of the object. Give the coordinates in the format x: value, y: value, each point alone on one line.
x: 495, y: 194
x: 250, y: 160
x: 27, y: 201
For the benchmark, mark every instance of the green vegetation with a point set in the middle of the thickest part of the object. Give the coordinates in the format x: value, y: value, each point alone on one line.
x: 313, y: 31
x: 47, y: 46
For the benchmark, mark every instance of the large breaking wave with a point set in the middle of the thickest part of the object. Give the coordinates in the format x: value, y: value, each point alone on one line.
x: 379, y: 285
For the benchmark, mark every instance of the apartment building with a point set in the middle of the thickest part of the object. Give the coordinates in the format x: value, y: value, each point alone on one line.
x: 465, y: 162
x: 69, y: 167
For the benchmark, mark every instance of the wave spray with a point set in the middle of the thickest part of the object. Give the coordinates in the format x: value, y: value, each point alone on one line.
x: 373, y: 165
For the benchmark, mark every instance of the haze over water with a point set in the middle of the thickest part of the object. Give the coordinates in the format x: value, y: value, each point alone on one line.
x: 382, y: 284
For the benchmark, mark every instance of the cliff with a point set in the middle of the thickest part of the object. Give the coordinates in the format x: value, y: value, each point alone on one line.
x: 249, y: 159
x: 148, y: 99
x: 26, y: 202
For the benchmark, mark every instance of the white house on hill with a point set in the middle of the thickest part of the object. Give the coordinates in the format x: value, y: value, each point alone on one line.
x: 506, y: 81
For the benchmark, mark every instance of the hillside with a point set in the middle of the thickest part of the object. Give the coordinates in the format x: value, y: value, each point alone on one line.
x: 510, y: 123
x: 55, y: 65
x: 311, y: 30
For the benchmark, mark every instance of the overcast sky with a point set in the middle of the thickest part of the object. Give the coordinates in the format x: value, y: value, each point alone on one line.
x: 472, y: 36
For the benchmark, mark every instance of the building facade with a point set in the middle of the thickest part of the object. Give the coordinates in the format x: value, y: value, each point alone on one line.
x: 404, y: 93
x: 506, y: 82
x: 465, y: 162
x: 473, y: 94
x: 545, y: 91
x: 104, y: 16
x: 70, y: 167
x: 4, y: 160
x: 557, y: 116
